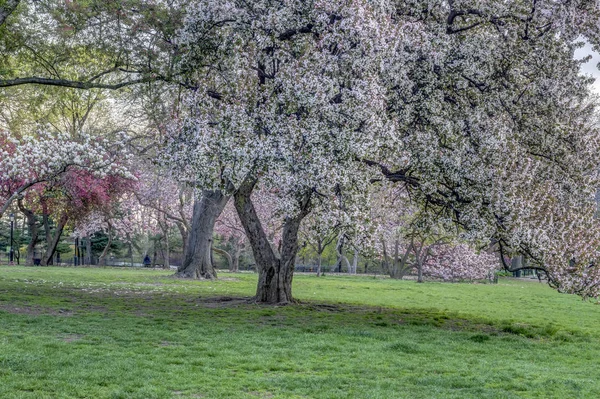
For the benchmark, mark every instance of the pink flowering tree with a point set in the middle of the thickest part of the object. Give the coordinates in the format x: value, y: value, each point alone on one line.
x: 100, y: 204
x: 45, y: 157
x: 58, y: 177
x: 459, y: 262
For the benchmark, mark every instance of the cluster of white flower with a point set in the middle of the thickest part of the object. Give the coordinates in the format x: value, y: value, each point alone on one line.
x: 477, y: 107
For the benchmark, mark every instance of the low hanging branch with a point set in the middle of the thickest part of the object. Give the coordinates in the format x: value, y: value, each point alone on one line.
x: 74, y: 84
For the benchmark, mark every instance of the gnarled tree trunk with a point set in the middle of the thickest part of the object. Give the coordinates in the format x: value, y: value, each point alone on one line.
x: 275, y: 270
x: 197, y: 261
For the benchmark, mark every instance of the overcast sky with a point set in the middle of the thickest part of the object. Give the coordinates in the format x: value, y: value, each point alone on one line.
x: 591, y: 67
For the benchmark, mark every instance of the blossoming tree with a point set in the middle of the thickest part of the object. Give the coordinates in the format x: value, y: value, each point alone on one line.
x: 472, y: 106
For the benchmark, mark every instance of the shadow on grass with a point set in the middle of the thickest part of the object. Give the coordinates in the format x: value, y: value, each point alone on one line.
x: 310, y: 317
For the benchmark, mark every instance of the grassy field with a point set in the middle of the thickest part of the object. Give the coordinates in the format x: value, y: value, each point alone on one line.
x: 113, y: 333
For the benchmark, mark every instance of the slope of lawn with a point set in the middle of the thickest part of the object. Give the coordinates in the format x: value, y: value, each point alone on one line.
x: 123, y: 333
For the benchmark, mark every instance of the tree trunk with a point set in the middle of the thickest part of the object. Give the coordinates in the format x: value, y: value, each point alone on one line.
x: 129, y: 249
x: 341, y: 258
x: 226, y: 255
x: 167, y: 264
x: 339, y: 248
x: 88, y: 250
x: 33, y: 230
x: 275, y: 270
x: 320, y: 249
x: 52, y: 241
x: 197, y: 261
x: 354, y: 262
x: 102, y: 259
x: 319, y: 260
x: 184, y: 236
x: 236, y: 257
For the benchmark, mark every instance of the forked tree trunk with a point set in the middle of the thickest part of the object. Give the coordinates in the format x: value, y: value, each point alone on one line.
x: 197, y: 261
x: 52, y: 241
x: 341, y: 258
x: 275, y: 270
x: 33, y: 230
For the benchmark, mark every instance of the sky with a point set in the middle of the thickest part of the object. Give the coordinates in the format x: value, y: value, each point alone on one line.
x: 590, y: 68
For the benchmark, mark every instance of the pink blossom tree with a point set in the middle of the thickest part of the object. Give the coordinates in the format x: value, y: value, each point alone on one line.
x: 459, y: 262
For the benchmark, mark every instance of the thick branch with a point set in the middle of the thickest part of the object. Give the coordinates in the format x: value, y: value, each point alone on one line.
x: 252, y: 225
x: 394, y: 176
x: 74, y: 84
x: 226, y: 255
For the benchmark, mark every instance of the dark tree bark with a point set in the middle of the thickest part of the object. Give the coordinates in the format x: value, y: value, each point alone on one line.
x: 275, y: 270
x: 197, y: 262
x: 33, y: 230
x: 341, y: 258
x: 52, y: 240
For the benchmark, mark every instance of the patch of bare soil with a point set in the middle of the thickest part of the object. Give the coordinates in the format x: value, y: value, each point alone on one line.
x: 223, y: 302
x: 34, y: 310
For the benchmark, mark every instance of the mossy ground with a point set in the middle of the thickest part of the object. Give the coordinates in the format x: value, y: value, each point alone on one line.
x: 122, y: 333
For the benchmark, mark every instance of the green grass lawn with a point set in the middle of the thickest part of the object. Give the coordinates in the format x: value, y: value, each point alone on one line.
x: 122, y: 333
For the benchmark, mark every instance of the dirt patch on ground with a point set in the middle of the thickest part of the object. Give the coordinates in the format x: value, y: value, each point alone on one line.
x: 34, y: 310
x: 223, y: 302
